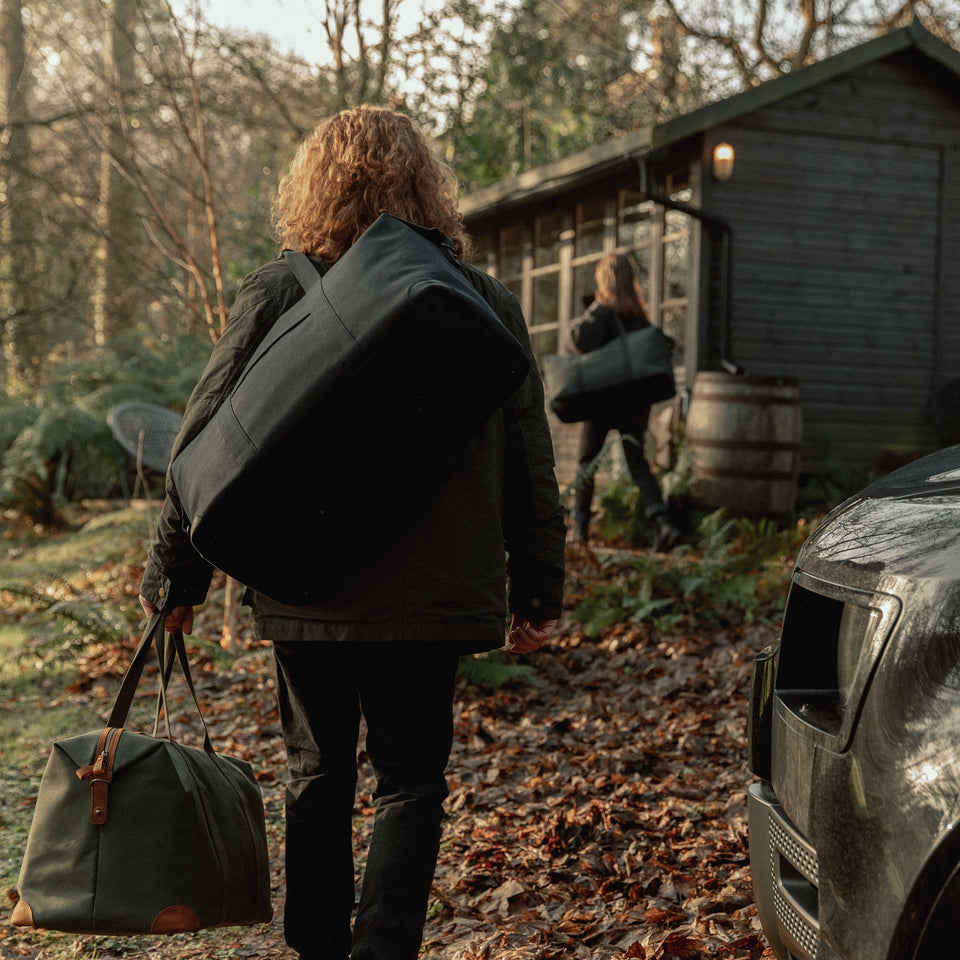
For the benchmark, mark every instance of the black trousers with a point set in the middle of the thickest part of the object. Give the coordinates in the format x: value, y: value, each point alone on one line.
x: 593, y: 435
x: 405, y: 694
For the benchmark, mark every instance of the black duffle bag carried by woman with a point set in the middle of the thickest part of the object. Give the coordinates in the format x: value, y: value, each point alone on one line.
x: 630, y: 371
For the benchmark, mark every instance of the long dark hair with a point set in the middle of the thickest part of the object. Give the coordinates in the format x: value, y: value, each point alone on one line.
x: 618, y: 286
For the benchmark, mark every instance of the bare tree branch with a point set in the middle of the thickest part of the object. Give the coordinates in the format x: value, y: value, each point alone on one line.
x: 199, y: 147
x: 745, y: 67
x: 252, y: 69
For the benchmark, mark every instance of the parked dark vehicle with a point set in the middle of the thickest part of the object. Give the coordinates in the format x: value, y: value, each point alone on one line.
x: 855, y: 731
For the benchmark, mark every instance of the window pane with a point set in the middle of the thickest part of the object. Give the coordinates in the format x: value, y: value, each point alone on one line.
x: 674, y: 327
x: 511, y: 252
x: 549, y: 228
x: 633, y: 222
x: 675, y: 256
x: 544, y: 342
x: 583, y: 285
x: 546, y: 299
x: 675, y: 222
x: 642, y: 258
x: 590, y: 216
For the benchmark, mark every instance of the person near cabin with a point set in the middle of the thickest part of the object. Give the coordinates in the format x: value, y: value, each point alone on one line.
x: 385, y: 646
x: 618, y: 302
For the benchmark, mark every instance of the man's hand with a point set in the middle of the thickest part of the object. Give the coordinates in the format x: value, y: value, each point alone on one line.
x: 179, y: 618
x: 526, y: 635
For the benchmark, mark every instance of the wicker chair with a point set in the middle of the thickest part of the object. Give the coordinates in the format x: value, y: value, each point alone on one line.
x: 144, y: 433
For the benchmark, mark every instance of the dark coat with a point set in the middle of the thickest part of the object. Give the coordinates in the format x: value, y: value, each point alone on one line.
x: 495, y: 520
x: 598, y: 326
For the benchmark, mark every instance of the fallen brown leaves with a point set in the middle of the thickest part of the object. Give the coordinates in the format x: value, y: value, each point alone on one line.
x: 600, y: 810
x: 596, y: 812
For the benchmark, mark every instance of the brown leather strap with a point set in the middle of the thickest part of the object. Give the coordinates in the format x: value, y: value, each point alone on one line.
x: 100, y: 774
x: 84, y: 773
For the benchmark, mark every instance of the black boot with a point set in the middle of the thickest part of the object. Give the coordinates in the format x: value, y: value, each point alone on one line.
x: 582, y: 502
x: 581, y: 525
x: 667, y: 534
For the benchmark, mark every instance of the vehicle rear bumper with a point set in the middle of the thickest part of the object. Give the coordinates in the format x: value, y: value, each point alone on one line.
x: 785, y: 872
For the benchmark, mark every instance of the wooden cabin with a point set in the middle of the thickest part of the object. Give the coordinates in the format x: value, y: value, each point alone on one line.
x: 824, y: 260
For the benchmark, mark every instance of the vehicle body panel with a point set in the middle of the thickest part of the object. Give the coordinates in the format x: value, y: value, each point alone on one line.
x: 854, y: 827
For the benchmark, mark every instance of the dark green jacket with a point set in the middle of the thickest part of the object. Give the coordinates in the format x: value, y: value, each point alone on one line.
x: 496, y: 519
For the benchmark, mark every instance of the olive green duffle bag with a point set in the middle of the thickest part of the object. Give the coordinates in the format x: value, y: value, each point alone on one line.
x: 136, y: 834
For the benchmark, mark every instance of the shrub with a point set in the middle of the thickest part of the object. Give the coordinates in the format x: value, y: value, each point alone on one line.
x: 61, y: 448
x: 14, y: 417
x: 56, y: 458
x: 740, y: 573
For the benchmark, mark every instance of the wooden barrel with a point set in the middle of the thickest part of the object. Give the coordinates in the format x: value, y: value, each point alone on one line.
x: 745, y: 435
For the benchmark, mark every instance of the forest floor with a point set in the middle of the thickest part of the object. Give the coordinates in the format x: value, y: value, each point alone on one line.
x: 597, y: 809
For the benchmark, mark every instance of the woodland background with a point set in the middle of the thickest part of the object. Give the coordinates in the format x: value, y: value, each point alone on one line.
x: 140, y: 148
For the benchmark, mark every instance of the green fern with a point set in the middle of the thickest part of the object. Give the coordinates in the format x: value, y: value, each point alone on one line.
x: 60, y: 449
x: 56, y: 458
x: 14, y: 418
x: 81, y: 620
x: 740, y: 569
x: 620, y: 516
x: 492, y: 670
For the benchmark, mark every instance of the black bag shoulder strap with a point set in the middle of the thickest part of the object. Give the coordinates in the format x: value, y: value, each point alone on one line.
x: 303, y: 268
x: 307, y: 272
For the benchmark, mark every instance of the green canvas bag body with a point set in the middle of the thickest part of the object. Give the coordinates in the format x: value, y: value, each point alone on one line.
x: 136, y: 834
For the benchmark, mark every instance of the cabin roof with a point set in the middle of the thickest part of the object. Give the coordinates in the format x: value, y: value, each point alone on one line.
x: 619, y: 154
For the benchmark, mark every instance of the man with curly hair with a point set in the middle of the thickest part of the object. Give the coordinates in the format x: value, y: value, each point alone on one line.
x: 385, y: 644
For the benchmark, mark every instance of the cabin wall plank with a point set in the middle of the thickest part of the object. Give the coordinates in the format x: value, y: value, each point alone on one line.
x: 845, y: 215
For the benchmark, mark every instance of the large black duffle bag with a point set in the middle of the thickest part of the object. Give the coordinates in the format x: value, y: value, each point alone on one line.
x: 345, y: 415
x: 631, y: 371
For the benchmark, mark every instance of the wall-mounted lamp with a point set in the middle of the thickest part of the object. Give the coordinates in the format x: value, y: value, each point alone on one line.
x: 723, y: 156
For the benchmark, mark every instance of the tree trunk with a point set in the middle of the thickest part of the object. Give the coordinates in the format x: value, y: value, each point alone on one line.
x: 115, y: 299
x: 21, y: 334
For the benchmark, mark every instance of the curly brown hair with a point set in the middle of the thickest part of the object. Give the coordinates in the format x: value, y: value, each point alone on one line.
x: 356, y: 165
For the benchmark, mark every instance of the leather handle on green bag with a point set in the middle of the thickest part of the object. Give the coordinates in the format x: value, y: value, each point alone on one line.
x: 153, y: 635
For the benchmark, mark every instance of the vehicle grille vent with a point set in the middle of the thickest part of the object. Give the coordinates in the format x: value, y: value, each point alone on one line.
x: 795, y: 867
x: 803, y: 857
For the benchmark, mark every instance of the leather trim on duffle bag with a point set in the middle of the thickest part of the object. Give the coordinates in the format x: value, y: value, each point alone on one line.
x: 22, y: 915
x: 175, y: 919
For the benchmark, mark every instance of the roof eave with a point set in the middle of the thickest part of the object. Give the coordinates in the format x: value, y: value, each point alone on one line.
x: 770, y: 91
x: 607, y: 158
x: 541, y: 183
